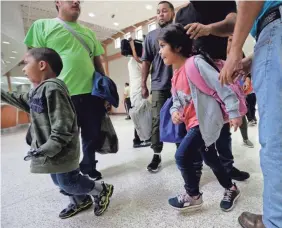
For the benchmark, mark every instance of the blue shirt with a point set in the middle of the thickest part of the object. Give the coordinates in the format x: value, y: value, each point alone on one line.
x: 266, y: 7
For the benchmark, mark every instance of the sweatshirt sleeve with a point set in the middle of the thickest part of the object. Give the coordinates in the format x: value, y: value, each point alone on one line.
x: 176, y: 106
x: 62, y: 118
x: 227, y: 95
x: 19, y: 100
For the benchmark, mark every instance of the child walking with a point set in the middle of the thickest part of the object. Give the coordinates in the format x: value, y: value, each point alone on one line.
x: 55, y: 145
x: 202, y: 116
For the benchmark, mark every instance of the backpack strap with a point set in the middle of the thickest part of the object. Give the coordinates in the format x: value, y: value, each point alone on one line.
x: 195, y: 77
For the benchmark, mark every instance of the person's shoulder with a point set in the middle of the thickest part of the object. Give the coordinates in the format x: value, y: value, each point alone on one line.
x: 45, y: 22
x: 183, y: 8
x: 55, y: 84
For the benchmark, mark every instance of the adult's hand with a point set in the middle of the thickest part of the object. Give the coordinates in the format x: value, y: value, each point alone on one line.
x: 236, y: 122
x: 196, y: 30
x: 145, y: 92
x: 232, y: 68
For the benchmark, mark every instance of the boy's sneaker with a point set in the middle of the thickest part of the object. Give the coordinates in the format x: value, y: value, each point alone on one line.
x: 229, y: 199
x: 142, y: 144
x: 248, y: 143
x: 73, y: 209
x: 252, y: 123
x: 184, y: 202
x: 155, y: 164
x: 102, y: 201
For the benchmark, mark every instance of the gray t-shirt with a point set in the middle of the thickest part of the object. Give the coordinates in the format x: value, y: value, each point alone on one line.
x: 160, y: 73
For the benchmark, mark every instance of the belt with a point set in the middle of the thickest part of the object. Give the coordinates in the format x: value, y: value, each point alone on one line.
x: 269, y: 17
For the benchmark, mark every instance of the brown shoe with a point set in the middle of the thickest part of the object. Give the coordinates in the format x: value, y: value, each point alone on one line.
x: 249, y: 220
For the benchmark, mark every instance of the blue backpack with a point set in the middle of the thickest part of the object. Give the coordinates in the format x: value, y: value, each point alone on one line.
x: 169, y: 132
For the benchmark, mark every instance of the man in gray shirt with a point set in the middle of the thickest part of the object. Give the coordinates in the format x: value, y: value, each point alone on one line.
x: 160, y: 76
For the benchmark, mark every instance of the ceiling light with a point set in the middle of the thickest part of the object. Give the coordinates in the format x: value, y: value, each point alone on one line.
x: 18, y: 83
x: 7, y: 62
x: 149, y: 7
x: 6, y: 42
x: 91, y: 15
x: 116, y: 24
x: 21, y: 78
x: 14, y: 52
x: 12, y: 57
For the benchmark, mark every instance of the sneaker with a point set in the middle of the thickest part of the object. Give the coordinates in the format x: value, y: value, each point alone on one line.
x: 230, y: 198
x: 73, y: 209
x: 155, y: 164
x: 102, y: 201
x: 238, y: 175
x: 248, y: 143
x: 252, y: 123
x: 95, y: 175
x: 184, y: 202
x: 142, y: 144
x: 128, y: 118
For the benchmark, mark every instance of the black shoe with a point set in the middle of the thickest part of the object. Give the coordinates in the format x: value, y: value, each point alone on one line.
x: 229, y: 199
x: 142, y: 144
x: 128, y: 118
x: 238, y: 175
x: 102, y: 201
x: 155, y: 164
x: 73, y: 209
x: 95, y: 175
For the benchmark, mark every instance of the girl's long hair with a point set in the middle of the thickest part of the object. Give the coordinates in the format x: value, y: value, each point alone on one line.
x: 175, y: 35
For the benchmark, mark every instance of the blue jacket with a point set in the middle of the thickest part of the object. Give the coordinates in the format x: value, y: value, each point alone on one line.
x: 105, y: 88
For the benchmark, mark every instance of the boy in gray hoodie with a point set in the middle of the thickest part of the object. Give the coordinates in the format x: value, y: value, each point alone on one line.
x: 55, y: 147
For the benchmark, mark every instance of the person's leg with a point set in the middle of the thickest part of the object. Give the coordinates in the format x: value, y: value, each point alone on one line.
x: 76, y: 184
x: 128, y: 106
x: 267, y: 82
x: 251, y: 101
x: 224, y: 148
x: 90, y: 111
x: 244, y: 133
x: 232, y: 193
x: 184, y: 157
x: 158, y: 100
x: 136, y: 140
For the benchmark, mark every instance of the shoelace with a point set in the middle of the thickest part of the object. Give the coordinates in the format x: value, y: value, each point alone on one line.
x: 184, y: 197
x: 227, y: 195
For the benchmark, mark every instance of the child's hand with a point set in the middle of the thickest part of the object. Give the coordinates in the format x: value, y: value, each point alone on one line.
x: 176, y: 118
x: 236, y: 122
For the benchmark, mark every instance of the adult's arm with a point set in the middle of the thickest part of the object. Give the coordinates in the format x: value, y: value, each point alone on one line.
x: 98, y: 65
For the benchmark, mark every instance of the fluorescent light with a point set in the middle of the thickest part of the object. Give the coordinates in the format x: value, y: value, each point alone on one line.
x: 15, y: 52
x: 149, y: 7
x: 7, y: 62
x: 6, y: 42
x: 91, y: 15
x: 12, y: 57
x: 18, y: 83
x: 116, y: 24
x: 21, y: 78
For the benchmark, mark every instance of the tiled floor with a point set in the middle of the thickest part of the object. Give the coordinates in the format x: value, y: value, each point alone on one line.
x: 140, y: 198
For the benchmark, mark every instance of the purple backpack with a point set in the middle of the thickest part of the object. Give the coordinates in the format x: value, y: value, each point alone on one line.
x: 194, y: 75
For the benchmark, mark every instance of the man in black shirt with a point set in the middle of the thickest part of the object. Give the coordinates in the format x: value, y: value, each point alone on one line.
x: 210, y: 23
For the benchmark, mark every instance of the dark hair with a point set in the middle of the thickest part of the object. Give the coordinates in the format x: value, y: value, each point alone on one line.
x: 169, y: 4
x: 127, y: 84
x: 175, y: 35
x: 50, y: 56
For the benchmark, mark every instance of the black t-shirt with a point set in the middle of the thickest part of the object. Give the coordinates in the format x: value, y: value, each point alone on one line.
x: 207, y: 12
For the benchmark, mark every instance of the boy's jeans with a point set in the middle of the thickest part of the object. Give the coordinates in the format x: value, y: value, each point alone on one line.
x: 267, y: 83
x: 190, y: 146
x: 75, y: 184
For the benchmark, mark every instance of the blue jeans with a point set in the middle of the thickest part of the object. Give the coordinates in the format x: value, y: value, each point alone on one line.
x: 90, y: 110
x: 223, y: 145
x: 267, y: 83
x: 188, y: 149
x: 73, y: 184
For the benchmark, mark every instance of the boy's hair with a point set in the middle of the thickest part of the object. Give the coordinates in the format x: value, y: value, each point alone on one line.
x: 175, y: 36
x: 169, y: 4
x: 50, y: 56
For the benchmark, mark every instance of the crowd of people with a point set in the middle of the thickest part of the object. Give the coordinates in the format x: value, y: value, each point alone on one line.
x: 194, y: 41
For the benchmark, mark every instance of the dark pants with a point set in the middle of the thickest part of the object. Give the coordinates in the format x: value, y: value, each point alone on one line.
x: 136, y: 139
x: 251, y: 104
x: 188, y: 149
x: 127, y: 105
x: 244, y: 128
x: 223, y: 145
x: 158, y: 100
x: 90, y: 110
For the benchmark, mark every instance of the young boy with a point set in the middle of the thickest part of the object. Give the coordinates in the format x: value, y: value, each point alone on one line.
x: 55, y: 145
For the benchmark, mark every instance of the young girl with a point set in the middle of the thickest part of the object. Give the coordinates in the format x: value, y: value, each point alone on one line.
x: 202, y: 116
